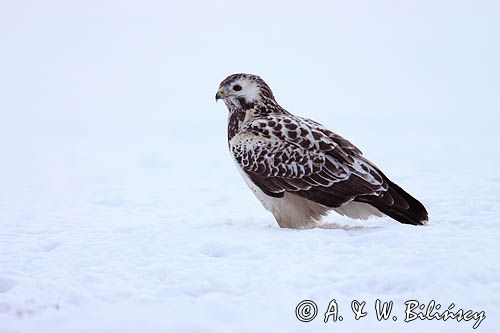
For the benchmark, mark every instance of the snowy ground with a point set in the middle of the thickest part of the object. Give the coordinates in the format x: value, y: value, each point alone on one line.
x: 121, y: 211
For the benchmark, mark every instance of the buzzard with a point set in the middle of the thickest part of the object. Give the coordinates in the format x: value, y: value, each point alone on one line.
x: 298, y: 169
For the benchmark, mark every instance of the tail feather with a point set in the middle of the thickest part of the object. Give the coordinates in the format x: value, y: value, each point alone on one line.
x: 398, y: 204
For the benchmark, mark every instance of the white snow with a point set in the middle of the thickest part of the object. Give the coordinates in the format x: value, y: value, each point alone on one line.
x: 120, y: 207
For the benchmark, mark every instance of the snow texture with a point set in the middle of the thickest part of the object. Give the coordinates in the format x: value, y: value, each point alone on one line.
x: 120, y: 207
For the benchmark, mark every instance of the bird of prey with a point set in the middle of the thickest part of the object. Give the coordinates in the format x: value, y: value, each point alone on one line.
x: 298, y: 169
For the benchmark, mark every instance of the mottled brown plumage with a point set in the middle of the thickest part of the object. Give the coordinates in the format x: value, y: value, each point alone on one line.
x: 299, y: 169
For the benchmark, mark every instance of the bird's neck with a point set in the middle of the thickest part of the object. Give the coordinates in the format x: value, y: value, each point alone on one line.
x: 235, y: 122
x: 239, y: 115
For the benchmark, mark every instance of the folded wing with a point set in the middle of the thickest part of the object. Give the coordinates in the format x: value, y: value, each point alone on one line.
x: 286, y: 155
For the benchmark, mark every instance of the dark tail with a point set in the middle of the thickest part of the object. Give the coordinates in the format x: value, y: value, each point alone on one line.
x: 398, y: 204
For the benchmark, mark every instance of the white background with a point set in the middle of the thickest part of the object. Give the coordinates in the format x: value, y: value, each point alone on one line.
x: 120, y: 209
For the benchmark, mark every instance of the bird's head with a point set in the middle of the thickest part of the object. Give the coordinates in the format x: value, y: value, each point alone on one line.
x: 243, y: 91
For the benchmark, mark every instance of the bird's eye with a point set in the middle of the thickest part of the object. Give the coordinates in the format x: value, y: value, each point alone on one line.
x: 237, y: 87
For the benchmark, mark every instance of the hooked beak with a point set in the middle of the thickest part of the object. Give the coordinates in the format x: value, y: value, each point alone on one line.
x: 220, y: 94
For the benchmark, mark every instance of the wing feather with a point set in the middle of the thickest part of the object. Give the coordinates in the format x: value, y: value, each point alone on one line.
x: 288, y: 154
